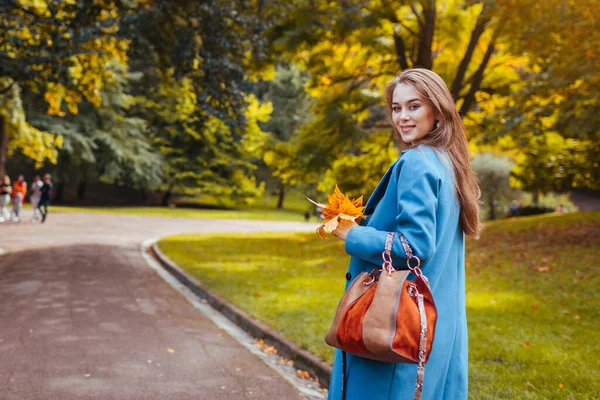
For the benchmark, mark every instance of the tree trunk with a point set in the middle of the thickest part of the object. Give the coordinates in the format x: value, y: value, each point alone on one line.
x: 476, y: 33
x: 168, y: 194
x: 81, y: 186
x: 60, y: 192
x: 3, y: 146
x: 492, y: 214
x: 400, y: 51
x: 424, y: 56
x: 281, y: 196
x: 535, y: 198
x: 477, y: 78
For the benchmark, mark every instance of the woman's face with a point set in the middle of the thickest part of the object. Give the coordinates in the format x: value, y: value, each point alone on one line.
x: 412, y: 116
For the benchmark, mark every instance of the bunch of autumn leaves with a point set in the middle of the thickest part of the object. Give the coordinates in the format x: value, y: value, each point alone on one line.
x: 338, y: 209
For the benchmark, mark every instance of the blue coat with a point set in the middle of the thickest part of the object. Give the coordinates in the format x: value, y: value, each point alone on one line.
x: 415, y: 197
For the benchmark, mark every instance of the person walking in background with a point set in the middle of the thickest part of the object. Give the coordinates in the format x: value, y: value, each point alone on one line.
x: 35, y: 195
x: 429, y: 195
x: 45, y: 196
x: 5, y: 192
x: 18, y: 197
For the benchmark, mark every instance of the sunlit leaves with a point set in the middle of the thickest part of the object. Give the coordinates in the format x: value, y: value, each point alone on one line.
x: 39, y: 145
x: 339, y: 208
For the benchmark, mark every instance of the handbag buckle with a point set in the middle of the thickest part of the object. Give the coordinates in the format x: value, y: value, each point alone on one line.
x: 373, y: 274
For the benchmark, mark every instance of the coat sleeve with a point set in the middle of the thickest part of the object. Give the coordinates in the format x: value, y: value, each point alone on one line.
x: 418, y: 185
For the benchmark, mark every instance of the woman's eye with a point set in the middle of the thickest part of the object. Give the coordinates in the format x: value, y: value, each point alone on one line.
x: 414, y: 106
x: 396, y: 109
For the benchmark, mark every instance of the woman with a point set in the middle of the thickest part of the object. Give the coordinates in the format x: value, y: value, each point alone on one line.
x: 430, y: 195
x: 5, y: 192
x: 18, y: 197
x: 35, y: 196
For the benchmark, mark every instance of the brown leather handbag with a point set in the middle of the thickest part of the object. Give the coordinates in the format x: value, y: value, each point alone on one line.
x: 385, y: 317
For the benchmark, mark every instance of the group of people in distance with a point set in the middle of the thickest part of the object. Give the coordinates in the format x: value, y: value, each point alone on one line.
x: 39, y: 196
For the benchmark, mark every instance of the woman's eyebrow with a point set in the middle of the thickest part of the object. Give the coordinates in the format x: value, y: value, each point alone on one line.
x: 409, y: 101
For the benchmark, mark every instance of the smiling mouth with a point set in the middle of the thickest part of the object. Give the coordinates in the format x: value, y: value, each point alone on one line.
x: 407, y: 128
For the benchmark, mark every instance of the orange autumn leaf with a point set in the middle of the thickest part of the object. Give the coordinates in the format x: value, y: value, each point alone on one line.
x: 338, y: 208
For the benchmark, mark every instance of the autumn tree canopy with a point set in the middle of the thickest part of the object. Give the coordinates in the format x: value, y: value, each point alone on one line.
x: 184, y: 96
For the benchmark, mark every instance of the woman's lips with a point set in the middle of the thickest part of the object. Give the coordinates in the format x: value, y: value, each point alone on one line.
x: 407, y: 128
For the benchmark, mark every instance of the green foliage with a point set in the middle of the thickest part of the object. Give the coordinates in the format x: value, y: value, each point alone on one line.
x: 530, y: 285
x: 212, y: 44
x: 553, y: 116
x: 198, y: 60
x: 105, y: 142
x: 39, y: 145
x: 504, y: 62
x: 60, y: 49
x: 359, y: 173
x: 493, y: 174
x: 290, y: 111
x: 200, y: 151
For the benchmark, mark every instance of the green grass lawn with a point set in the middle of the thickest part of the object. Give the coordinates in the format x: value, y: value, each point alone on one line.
x: 532, y: 286
x: 250, y: 213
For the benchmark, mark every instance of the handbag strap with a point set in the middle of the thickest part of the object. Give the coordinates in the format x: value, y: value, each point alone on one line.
x: 422, y: 347
x: 344, y: 375
x: 387, y: 252
x: 389, y: 241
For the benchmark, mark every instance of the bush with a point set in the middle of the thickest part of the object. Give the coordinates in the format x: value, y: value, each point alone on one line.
x: 533, y: 210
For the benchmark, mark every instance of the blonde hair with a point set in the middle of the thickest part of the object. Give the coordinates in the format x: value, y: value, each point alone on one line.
x: 448, y: 134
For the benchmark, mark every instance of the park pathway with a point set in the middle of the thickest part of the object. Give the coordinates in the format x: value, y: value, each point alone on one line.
x: 82, y: 316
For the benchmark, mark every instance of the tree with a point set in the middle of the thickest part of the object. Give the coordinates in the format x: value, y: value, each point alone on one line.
x: 290, y: 110
x: 104, y: 142
x: 353, y: 48
x: 503, y: 61
x: 58, y: 48
x: 493, y: 174
x: 198, y: 61
x: 39, y: 145
x: 551, y: 120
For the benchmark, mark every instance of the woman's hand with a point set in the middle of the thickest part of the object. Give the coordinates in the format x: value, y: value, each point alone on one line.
x: 343, y: 228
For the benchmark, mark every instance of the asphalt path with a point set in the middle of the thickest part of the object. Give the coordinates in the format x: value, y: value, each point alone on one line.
x: 82, y: 316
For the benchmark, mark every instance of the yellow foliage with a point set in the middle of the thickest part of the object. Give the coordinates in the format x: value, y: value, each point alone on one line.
x: 36, y: 144
x: 56, y: 94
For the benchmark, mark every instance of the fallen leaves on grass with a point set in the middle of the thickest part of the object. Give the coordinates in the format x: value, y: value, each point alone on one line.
x: 338, y: 208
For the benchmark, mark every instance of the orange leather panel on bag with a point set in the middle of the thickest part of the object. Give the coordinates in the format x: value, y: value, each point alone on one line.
x: 406, y: 341
x: 355, y: 290
x: 350, y: 331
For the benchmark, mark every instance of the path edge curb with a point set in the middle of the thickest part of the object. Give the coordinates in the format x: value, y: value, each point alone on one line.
x: 302, y: 359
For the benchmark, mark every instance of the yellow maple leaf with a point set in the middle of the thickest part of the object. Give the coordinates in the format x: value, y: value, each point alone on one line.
x: 338, y: 208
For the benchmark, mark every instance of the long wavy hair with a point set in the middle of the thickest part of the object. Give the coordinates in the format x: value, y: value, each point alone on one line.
x: 448, y: 134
